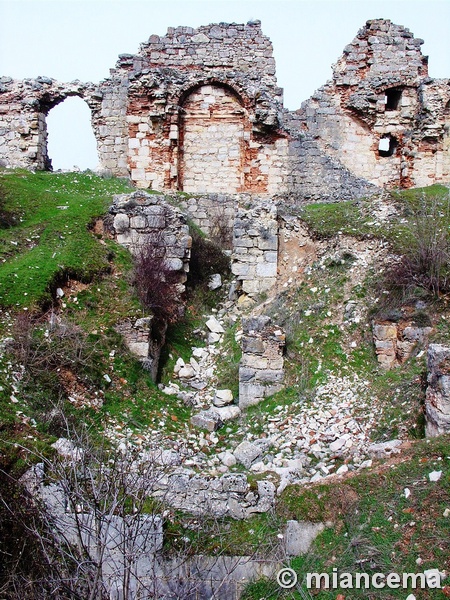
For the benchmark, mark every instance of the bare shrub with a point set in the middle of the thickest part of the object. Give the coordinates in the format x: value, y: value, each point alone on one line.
x: 221, y: 232
x: 425, y: 249
x: 48, y: 353
x: 97, y: 528
x: 155, y: 282
x: 26, y: 573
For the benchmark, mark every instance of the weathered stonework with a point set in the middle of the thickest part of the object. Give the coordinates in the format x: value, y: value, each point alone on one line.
x: 255, y: 247
x: 213, y: 213
x: 199, y: 110
x: 437, y: 400
x: 396, y: 342
x: 140, y: 218
x: 228, y: 495
x: 261, y: 368
x: 381, y: 116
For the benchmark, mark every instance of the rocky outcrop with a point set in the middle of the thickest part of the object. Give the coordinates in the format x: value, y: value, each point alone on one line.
x: 395, y: 342
x: 437, y: 399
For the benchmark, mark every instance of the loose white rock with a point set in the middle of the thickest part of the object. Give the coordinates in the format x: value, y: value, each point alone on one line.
x: 214, y: 326
x: 435, y: 475
x: 223, y: 397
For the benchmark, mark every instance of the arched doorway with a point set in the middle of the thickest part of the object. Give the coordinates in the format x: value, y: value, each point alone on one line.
x: 71, y: 141
x: 211, y: 141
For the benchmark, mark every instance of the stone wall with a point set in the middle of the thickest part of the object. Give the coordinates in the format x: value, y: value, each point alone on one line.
x: 381, y: 116
x: 261, y: 368
x: 207, y: 94
x: 24, y: 104
x: 437, y: 400
x: 200, y: 110
x: 140, y: 218
x: 226, y: 496
x: 213, y: 213
x: 255, y: 247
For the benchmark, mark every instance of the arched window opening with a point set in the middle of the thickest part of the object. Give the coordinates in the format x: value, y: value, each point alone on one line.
x: 393, y: 98
x: 447, y: 109
x: 387, y: 146
x: 71, y: 141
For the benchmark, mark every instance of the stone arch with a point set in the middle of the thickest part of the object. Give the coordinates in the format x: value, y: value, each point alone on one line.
x: 213, y: 121
x: 48, y: 101
x: 71, y: 140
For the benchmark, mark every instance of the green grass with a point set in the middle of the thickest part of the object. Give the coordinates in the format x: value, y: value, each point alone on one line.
x: 325, y: 220
x: 51, y: 239
x: 228, y: 367
x: 372, y: 526
x: 53, y: 245
x: 255, y: 536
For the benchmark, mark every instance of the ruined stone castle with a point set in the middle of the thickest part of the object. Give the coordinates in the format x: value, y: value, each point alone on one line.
x: 199, y: 110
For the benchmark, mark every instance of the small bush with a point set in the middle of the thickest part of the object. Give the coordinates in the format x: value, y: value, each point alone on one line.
x: 156, y: 283
x: 424, y: 248
x: 54, y: 360
x: 221, y: 231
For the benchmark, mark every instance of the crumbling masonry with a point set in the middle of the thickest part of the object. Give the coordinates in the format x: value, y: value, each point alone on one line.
x: 199, y: 110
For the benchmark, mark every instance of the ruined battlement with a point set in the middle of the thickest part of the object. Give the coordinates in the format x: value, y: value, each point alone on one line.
x: 199, y: 110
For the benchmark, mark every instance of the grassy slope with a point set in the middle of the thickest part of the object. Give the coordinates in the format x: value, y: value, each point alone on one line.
x: 45, y: 246
x: 58, y: 242
x: 373, y: 526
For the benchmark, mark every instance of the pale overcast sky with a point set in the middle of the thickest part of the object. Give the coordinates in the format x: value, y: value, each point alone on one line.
x: 81, y: 39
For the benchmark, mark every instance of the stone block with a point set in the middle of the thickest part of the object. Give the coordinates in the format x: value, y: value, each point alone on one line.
x: 266, y: 269
x: 214, y: 326
x: 247, y: 453
x: 253, y: 345
x: 121, y: 223
x: 246, y: 374
x: 299, y: 535
x: 268, y: 376
x: 228, y: 413
x: 138, y: 222
x: 255, y: 362
x: 250, y: 394
x: 271, y: 257
x: 223, y: 397
x: 139, y: 349
x: 207, y: 419
x: 250, y: 286
x: 239, y: 268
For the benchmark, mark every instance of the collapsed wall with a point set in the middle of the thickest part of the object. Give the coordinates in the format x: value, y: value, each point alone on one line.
x: 381, y: 116
x: 152, y: 229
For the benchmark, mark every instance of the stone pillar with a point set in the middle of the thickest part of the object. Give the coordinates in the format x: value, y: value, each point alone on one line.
x: 261, y: 369
x: 437, y: 400
x: 255, y: 247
